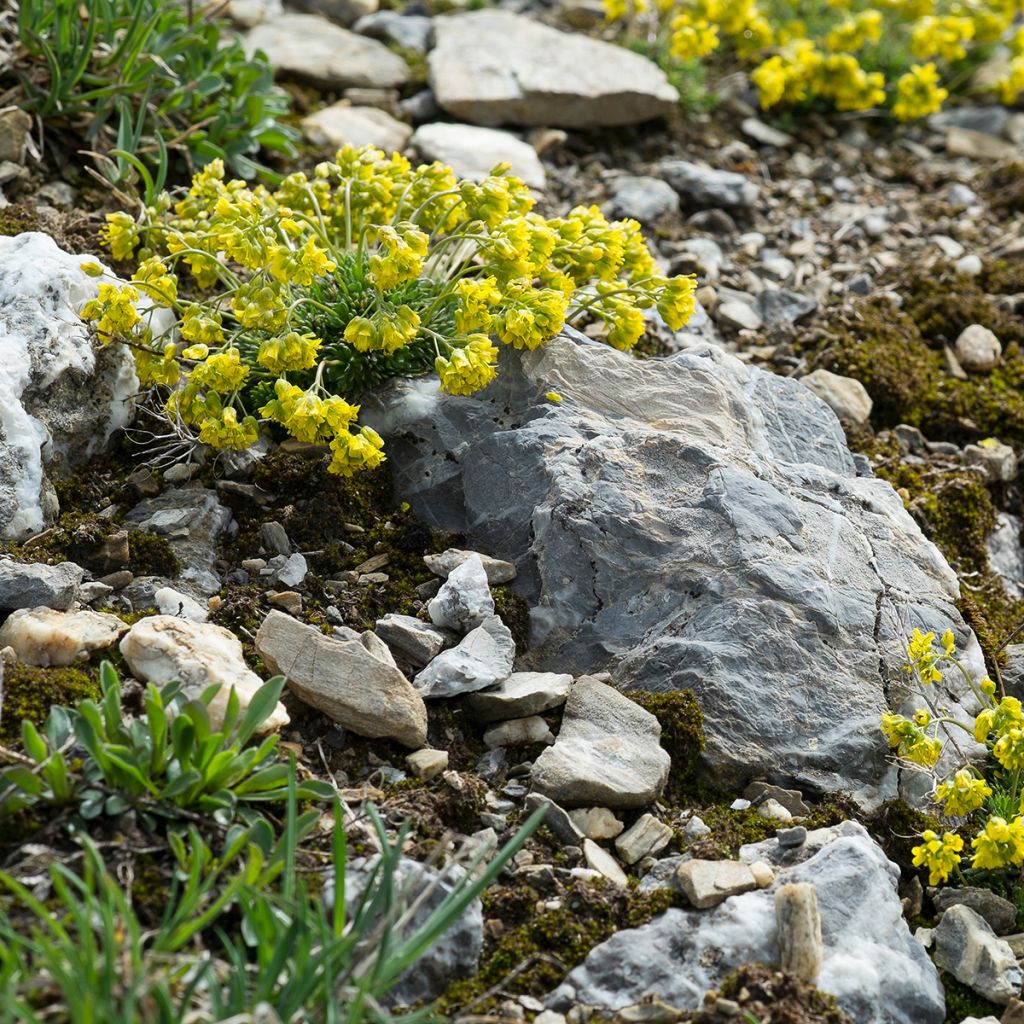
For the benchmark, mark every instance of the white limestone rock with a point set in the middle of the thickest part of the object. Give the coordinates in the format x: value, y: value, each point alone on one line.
x: 44, y: 636
x: 472, y: 152
x: 162, y: 648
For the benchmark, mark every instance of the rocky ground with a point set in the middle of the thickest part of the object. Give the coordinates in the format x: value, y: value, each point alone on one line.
x: 671, y: 606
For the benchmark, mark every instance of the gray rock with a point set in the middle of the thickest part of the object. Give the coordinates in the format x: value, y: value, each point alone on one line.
x: 646, y: 837
x: 607, y: 752
x: 522, y: 694
x: 494, y: 67
x: 706, y: 883
x: 791, y: 838
x: 247, y: 13
x: 960, y: 197
x: 977, y: 349
x: 988, y: 119
x: 274, y: 538
x: 61, y: 399
x: 341, y: 124
x: 740, y: 316
x: 344, y: 12
x: 343, y: 679
x: 1013, y: 671
x: 416, y: 640
x: 1005, y: 554
x: 1000, y: 913
x: 517, y: 732
x: 878, y: 972
x: 484, y: 657
x: 781, y: 306
x: 329, y: 57
x: 464, y: 600
x: 696, y: 829
x: 411, y: 31
x: 454, y: 955
x: 293, y: 572
x: 998, y: 460
x: 701, y: 186
x: 642, y: 198
x: 192, y: 521
x: 497, y: 570
x: 967, y: 947
x: 845, y: 396
x: 36, y: 585
x: 696, y: 523
x: 556, y: 818
x: 473, y: 152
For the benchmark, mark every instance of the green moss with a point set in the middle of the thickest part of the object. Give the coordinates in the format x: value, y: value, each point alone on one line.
x: 548, y: 943
x: 895, y: 355
x: 1003, y: 277
x: 515, y: 613
x: 152, y: 555
x: 897, y: 826
x: 682, y: 735
x: 30, y: 692
x: 962, y: 1001
x: 759, y: 988
x: 18, y: 217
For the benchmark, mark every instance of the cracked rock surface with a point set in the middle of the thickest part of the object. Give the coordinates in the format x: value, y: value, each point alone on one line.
x: 690, y: 523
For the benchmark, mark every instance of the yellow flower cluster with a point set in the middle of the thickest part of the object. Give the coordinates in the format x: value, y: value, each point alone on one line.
x: 998, y: 842
x: 366, y: 268
x: 940, y: 854
x: 853, y: 57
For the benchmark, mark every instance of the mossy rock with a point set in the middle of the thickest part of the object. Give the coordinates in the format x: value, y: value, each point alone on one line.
x: 151, y: 555
x: 30, y: 692
x: 764, y: 993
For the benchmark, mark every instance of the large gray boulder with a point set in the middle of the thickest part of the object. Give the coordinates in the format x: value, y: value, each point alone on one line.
x: 878, y: 972
x: 61, y: 396
x: 694, y: 523
x: 495, y: 67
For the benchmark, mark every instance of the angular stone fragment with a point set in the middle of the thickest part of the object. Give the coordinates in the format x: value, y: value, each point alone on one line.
x: 427, y: 763
x: 451, y: 558
x: 517, y: 732
x: 35, y: 584
x: 341, y: 124
x: 417, y: 641
x: 42, y: 636
x: 706, y: 883
x: 344, y: 680
x: 607, y: 752
x: 602, y: 861
x: 464, y: 600
x: 162, y: 648
x: 495, y: 67
x: 472, y: 152
x: 596, y: 822
x: 484, y: 657
x: 704, y: 187
x: 799, y: 926
x: 646, y: 837
x: 522, y: 694
x: 967, y: 947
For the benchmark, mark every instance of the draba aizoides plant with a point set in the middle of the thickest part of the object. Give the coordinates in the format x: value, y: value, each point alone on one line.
x: 987, y: 799
x: 300, y: 298
x: 851, y: 54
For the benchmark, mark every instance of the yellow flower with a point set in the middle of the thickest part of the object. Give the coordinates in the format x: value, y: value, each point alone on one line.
x: 224, y: 372
x: 692, y: 37
x: 1009, y: 749
x: 962, y: 794
x: 999, y: 845
x: 354, y: 452
x: 224, y: 430
x: 120, y: 235
x: 940, y: 855
x: 853, y: 33
x: 114, y: 311
x: 202, y: 327
x: 476, y: 297
x: 677, y: 301
x: 918, y: 93
x: 157, y: 367
x: 941, y: 37
x: 470, y: 368
x: 553, y: 396
x: 292, y: 352
x: 1011, y: 85
x: 399, y: 256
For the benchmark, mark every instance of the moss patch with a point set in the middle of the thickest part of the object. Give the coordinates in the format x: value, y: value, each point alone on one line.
x: 539, y: 946
x: 766, y: 994
x: 682, y: 735
x: 30, y: 692
x: 962, y: 1001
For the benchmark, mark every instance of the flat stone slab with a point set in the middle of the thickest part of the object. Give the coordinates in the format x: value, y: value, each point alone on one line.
x: 494, y: 67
